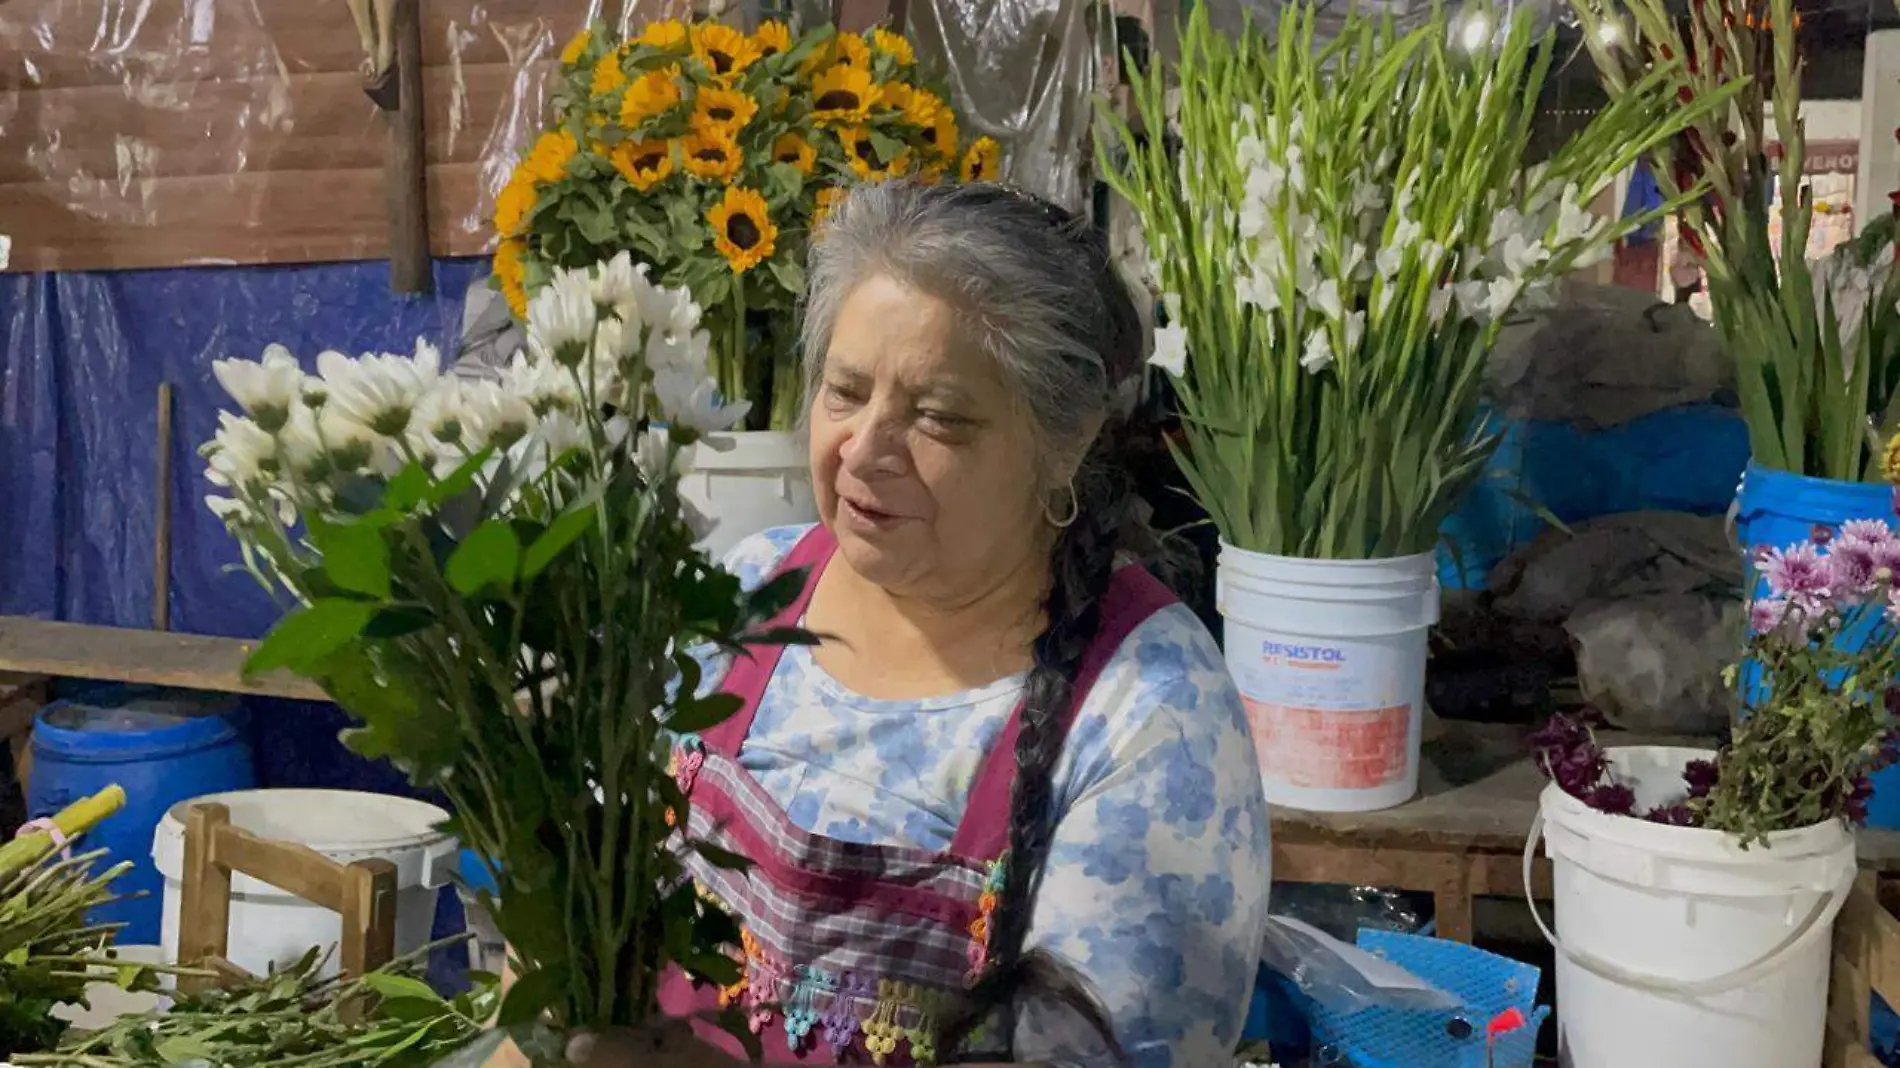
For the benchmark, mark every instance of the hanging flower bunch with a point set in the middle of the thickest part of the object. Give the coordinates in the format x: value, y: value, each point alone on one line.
x: 498, y: 580
x: 1338, y: 234
x: 1819, y: 700
x: 1818, y: 370
x: 711, y: 154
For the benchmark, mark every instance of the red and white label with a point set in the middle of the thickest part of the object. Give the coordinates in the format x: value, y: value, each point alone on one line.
x: 1331, y: 749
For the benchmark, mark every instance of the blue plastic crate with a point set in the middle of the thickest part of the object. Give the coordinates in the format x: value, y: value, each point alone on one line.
x: 1487, y: 984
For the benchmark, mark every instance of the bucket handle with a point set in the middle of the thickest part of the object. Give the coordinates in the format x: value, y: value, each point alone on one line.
x: 1816, y: 925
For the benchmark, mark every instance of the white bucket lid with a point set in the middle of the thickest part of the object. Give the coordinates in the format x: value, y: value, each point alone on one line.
x: 344, y: 825
x: 763, y: 451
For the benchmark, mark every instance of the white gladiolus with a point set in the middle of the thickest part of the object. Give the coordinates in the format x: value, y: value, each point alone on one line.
x: 1472, y: 297
x: 1522, y: 256
x: 1500, y: 295
x: 1170, y: 353
x: 1355, y: 331
x: 1439, y: 305
x: 1325, y: 299
x: 1318, y: 354
x: 265, y: 388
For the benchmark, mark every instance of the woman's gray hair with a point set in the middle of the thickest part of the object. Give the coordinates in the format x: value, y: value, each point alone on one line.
x: 1027, y: 282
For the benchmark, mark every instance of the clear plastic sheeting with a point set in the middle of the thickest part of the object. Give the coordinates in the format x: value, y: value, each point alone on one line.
x: 1024, y: 72
x: 147, y: 133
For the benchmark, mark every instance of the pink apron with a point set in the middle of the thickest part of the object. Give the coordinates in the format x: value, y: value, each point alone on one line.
x: 853, y: 951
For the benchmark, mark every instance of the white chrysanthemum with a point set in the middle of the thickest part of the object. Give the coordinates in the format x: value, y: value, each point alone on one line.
x: 617, y: 284
x: 543, y: 384
x: 678, y: 352
x: 439, y: 418
x: 693, y: 402
x: 240, y: 454
x: 300, y: 444
x: 351, y: 445
x: 561, y: 317
x: 230, y: 510
x: 493, y: 415
x: 380, y: 392
x: 265, y: 388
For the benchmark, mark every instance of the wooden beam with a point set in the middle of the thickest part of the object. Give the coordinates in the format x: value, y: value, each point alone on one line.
x: 121, y: 654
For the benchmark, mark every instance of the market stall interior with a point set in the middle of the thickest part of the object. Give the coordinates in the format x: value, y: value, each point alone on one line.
x: 1533, y: 456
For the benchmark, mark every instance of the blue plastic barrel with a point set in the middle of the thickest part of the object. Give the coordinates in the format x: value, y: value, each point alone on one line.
x: 162, y: 747
x: 1777, y: 509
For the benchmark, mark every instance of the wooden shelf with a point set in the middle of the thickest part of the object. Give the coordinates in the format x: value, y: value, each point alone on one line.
x: 121, y: 654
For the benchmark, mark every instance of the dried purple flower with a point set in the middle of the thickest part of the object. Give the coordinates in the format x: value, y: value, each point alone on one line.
x: 1613, y: 798
x: 1701, y: 776
x: 1676, y: 815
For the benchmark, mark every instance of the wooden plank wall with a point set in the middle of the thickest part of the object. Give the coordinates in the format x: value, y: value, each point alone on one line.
x: 153, y: 133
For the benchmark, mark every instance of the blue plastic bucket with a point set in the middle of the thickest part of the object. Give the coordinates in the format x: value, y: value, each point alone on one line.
x: 1777, y: 509
x: 162, y: 747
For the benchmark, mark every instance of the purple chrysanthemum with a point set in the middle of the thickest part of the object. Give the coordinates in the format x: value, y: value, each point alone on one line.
x: 1614, y: 798
x: 1853, y: 567
x: 1676, y: 815
x: 1799, y: 572
x: 1868, y: 530
x: 1766, y: 614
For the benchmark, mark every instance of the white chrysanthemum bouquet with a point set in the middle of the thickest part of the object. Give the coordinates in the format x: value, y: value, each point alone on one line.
x: 498, y: 579
x: 1338, y: 232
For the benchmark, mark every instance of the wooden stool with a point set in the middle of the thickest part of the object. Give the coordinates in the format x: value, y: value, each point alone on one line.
x: 363, y: 893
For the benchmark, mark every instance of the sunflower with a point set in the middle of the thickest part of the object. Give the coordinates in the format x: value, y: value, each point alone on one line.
x: 827, y: 197
x: 861, y: 153
x: 644, y: 164
x: 771, y: 38
x: 649, y: 96
x: 725, y: 51
x: 845, y: 49
x: 607, y: 73
x: 723, y: 109
x: 515, y: 202
x: 668, y: 36
x: 920, y: 107
x: 547, y: 160
x: 508, y: 275
x: 893, y: 45
x: 711, y: 155
x: 843, y: 96
x: 941, y: 135
x: 795, y: 150
x: 742, y: 231
x: 576, y: 48
x: 983, y: 160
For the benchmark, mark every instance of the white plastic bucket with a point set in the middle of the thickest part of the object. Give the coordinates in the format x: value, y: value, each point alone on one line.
x: 1329, y: 657
x: 748, y: 482
x: 1675, y: 945
x: 270, y: 927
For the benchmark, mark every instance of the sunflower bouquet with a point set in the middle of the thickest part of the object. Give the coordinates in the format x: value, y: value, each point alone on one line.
x: 711, y: 154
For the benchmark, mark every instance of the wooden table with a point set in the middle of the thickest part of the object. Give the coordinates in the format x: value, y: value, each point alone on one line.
x: 1463, y: 836
x: 121, y: 654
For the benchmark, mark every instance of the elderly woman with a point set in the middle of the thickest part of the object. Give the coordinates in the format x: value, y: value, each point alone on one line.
x: 1015, y: 783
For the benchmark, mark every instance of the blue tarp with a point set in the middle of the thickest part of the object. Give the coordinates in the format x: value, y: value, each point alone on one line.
x: 80, y: 366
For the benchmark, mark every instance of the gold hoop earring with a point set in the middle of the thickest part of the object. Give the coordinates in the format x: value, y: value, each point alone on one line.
x: 1075, y: 510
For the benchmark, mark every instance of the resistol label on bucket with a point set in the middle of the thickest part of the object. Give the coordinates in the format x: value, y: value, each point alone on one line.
x: 1316, y: 657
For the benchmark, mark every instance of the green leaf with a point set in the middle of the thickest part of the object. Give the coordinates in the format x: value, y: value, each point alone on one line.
x: 787, y: 273
x: 714, y: 968
x: 390, y: 985
x: 301, y: 640
x: 561, y: 533
x: 407, y: 488
x: 531, y: 995
x: 489, y: 555
x: 355, y: 557
x: 398, y: 621
x: 693, y: 715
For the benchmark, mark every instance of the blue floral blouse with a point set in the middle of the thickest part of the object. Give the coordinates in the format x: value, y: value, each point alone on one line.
x: 1156, y: 886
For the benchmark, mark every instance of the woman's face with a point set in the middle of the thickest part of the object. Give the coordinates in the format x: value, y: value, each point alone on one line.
x: 923, y: 462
